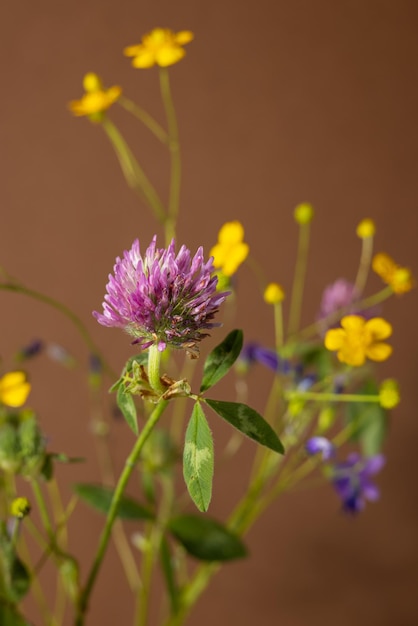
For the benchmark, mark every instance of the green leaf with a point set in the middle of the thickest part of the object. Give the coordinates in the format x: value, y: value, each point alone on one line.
x: 198, y: 459
x: 126, y: 404
x: 14, y: 576
x: 248, y: 422
x: 10, y: 617
x: 221, y: 359
x: 206, y: 539
x: 140, y: 359
x: 100, y: 498
x: 369, y: 420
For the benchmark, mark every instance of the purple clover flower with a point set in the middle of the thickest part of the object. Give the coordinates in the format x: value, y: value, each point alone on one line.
x: 162, y: 297
x: 338, y: 295
x: 352, y: 480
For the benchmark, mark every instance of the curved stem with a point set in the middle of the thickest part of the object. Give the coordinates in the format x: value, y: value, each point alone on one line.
x: 133, y: 172
x: 36, y: 295
x: 145, y: 118
x: 174, y: 147
x: 111, y: 516
x: 364, y: 266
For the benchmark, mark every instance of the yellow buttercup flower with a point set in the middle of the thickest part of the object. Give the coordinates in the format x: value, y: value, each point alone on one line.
x: 160, y: 47
x: 273, y: 293
x: 96, y: 100
x: 230, y: 251
x: 389, y: 396
x: 359, y: 339
x: 366, y: 229
x: 399, y: 278
x: 14, y: 389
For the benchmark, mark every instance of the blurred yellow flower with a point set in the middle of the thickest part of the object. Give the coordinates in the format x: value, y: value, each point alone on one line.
x: 273, y: 293
x: 160, y: 47
x: 96, y: 100
x: 399, y: 278
x: 14, y: 389
x: 359, y: 339
x: 20, y: 507
x: 389, y: 396
x: 230, y: 251
x: 366, y: 229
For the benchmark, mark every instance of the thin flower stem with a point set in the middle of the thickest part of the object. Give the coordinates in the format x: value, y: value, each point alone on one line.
x: 111, y: 516
x: 174, y: 147
x: 134, y: 174
x: 299, y: 279
x: 43, y: 512
x: 278, y: 325
x: 364, y: 266
x: 332, y: 397
x: 36, y: 295
x: 144, y: 117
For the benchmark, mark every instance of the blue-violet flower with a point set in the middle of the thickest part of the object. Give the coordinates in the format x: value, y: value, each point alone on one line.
x: 352, y: 480
x: 162, y: 298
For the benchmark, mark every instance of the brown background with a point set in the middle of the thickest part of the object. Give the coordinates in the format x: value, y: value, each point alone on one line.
x: 278, y: 103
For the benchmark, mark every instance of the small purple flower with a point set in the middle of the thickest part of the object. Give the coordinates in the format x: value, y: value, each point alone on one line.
x: 162, y: 297
x: 340, y: 294
x: 31, y: 350
x: 320, y: 445
x: 254, y: 353
x: 352, y: 480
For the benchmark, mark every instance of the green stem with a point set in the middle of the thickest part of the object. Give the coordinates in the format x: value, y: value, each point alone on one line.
x: 278, y: 325
x: 364, y: 267
x: 332, y: 397
x: 36, y: 295
x: 299, y: 278
x: 154, y: 360
x: 134, y: 174
x: 145, y: 118
x: 174, y: 147
x: 111, y: 516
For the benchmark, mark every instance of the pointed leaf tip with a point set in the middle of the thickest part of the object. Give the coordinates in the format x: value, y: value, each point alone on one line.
x: 221, y: 359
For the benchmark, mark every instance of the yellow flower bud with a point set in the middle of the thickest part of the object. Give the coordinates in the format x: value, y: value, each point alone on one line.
x: 389, y: 396
x: 304, y: 213
x: 326, y: 418
x: 91, y: 82
x: 273, y: 293
x: 20, y: 507
x: 14, y: 389
x: 366, y: 229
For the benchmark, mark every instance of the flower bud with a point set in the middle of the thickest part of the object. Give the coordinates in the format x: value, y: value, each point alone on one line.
x: 304, y: 213
x: 273, y: 293
x: 389, y: 396
x: 20, y: 507
x: 366, y: 229
x: 91, y: 82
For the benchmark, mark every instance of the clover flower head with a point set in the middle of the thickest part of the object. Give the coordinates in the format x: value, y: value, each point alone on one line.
x: 14, y: 389
x: 162, y: 298
x: 231, y: 250
x: 96, y: 100
x: 358, y: 339
x: 399, y: 278
x: 352, y: 480
x: 160, y: 47
x: 338, y: 295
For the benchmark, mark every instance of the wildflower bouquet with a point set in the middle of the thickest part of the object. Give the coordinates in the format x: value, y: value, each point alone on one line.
x: 172, y: 303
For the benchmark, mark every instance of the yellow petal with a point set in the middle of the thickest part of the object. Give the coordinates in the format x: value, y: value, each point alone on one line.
x: 353, y: 323
x: 183, y: 37
x: 334, y: 338
x: 379, y: 351
x: 234, y: 258
x: 168, y: 55
x: 145, y: 59
x: 352, y: 356
x: 14, y: 389
x: 384, y: 266
x: 231, y: 233
x: 402, y: 280
x: 133, y: 51
x: 378, y: 328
